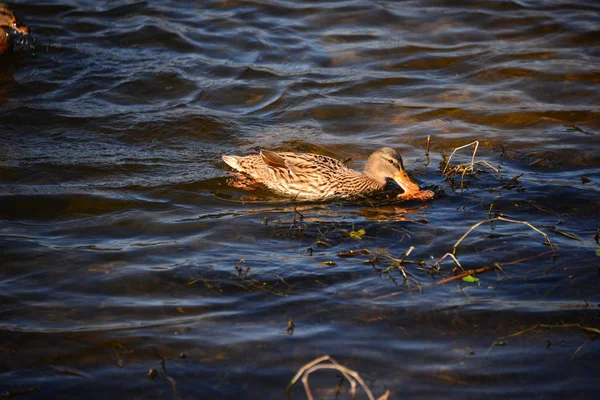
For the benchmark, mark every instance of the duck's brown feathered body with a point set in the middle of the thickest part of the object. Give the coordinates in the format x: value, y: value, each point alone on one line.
x: 305, y: 176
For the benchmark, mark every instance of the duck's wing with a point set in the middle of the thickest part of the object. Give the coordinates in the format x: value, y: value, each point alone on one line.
x: 273, y: 159
x: 280, y: 161
x: 301, y: 163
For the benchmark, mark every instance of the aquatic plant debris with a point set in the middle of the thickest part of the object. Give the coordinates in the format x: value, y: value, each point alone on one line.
x: 321, y: 363
x: 470, y: 279
x: 459, y: 276
x: 465, y: 169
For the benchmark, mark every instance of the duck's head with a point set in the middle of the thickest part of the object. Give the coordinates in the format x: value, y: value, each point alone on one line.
x: 385, y: 164
x: 12, y: 32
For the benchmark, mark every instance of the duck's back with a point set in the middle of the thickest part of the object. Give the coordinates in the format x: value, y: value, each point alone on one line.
x: 299, y: 175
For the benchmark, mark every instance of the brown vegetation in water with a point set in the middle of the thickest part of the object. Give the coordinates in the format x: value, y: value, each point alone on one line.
x: 456, y: 175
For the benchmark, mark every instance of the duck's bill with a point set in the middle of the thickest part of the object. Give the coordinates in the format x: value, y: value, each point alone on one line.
x: 412, y: 191
x: 21, y: 41
x: 406, y: 183
x: 420, y: 195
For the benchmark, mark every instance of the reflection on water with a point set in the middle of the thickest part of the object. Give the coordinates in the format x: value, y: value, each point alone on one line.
x: 120, y: 233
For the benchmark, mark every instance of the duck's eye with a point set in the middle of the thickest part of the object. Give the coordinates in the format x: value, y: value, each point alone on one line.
x: 391, y: 161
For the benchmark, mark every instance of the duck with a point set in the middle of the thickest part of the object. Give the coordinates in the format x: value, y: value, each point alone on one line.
x: 315, y: 177
x: 11, y: 30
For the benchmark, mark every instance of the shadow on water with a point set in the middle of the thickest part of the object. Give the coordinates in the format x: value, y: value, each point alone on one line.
x: 132, y: 266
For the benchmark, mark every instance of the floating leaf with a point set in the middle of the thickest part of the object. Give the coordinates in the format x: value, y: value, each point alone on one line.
x: 329, y: 263
x: 470, y: 279
x: 358, y: 235
x: 598, y: 252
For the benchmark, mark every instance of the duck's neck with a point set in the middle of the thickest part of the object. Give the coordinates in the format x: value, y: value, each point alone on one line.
x: 363, y: 182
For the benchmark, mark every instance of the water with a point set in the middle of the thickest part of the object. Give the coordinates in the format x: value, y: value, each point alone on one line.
x: 120, y: 233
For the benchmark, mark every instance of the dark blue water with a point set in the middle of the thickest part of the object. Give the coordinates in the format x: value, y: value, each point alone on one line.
x: 120, y: 232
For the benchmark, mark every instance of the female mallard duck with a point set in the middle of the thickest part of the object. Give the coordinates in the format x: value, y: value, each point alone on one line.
x: 306, y: 176
x: 12, y: 32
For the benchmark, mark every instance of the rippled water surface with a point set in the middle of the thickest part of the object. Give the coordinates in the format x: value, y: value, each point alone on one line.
x: 125, y: 247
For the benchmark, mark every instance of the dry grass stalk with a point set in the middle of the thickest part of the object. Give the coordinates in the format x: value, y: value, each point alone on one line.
x: 476, y: 146
x: 500, y: 218
x: 320, y: 363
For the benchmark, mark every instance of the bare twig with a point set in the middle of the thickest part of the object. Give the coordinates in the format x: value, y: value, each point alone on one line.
x: 500, y: 218
x: 398, y: 263
x: 471, y: 272
x: 438, y: 262
x: 509, y: 184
